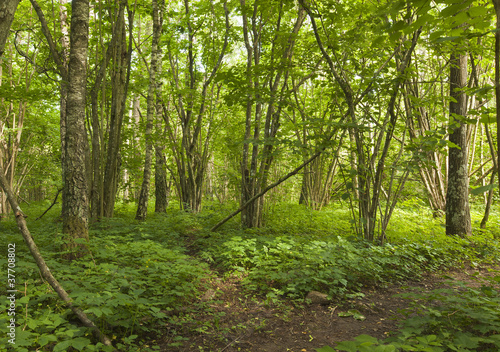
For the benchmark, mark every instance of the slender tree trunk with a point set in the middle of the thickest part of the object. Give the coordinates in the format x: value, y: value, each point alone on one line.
x: 63, y: 85
x: 119, y: 89
x: 75, y: 201
x: 142, y: 208
x: 489, y: 199
x: 497, y: 79
x: 7, y: 11
x: 161, y: 188
x: 458, y: 221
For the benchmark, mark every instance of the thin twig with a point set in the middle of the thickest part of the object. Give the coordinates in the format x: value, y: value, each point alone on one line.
x: 54, y: 202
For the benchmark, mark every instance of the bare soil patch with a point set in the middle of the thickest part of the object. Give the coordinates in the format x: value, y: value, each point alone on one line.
x: 227, y: 319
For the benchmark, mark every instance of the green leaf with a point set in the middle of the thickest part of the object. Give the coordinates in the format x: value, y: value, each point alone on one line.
x: 466, y: 341
x: 344, y: 314
x: 33, y: 324
x: 385, y: 348
x: 349, y: 346
x: 62, y: 346
x: 24, y: 300
x: 476, y: 11
x: 446, y: 39
x: 80, y: 343
x: 483, y: 189
x: 45, y: 339
x: 358, y: 316
x: 325, y: 349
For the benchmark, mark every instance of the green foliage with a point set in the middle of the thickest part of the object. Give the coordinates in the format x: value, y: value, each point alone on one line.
x: 140, y: 273
x: 461, y: 318
x: 302, y: 250
x: 136, y: 275
x: 292, y: 266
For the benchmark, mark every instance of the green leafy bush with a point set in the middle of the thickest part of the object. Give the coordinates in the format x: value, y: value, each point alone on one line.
x: 293, y: 266
x: 136, y: 274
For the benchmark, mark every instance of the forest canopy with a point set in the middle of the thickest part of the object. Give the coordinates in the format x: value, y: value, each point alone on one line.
x: 368, y: 102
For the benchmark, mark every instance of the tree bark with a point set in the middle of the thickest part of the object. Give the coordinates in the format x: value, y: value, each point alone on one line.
x: 265, y: 122
x: 496, y: 3
x: 7, y: 12
x: 142, y: 208
x: 458, y: 221
x: 75, y: 193
x: 119, y: 83
x: 161, y: 187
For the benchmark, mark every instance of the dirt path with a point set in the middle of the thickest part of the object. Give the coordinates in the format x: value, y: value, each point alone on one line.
x: 232, y: 321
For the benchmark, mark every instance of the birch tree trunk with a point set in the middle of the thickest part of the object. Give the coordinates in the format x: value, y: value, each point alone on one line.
x: 119, y: 82
x: 142, y: 208
x: 497, y: 78
x: 161, y: 188
x: 7, y: 11
x: 458, y: 221
x: 75, y: 200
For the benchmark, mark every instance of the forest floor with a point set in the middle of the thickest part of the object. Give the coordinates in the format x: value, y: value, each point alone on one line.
x: 235, y: 321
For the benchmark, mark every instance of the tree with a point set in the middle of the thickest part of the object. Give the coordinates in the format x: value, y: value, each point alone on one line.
x: 496, y: 3
x: 142, y: 208
x: 267, y: 74
x: 458, y: 220
x: 120, y: 77
x: 427, y: 120
x: 192, y: 72
x: 75, y: 201
x: 7, y: 12
x: 371, y: 135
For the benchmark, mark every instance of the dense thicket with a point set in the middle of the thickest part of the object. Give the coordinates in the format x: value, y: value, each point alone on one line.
x: 367, y: 102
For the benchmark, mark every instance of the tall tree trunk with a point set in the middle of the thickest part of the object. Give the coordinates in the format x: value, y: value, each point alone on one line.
x: 75, y: 201
x: 458, y: 221
x: 63, y: 85
x: 265, y: 123
x: 161, y: 188
x: 7, y: 11
x: 60, y: 57
x: 119, y: 89
x: 142, y: 208
x: 497, y: 79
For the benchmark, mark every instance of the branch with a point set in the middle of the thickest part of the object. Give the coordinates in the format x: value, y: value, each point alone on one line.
x: 54, y: 202
x: 53, y: 50
x: 271, y: 186
x: 265, y: 190
x: 42, y: 265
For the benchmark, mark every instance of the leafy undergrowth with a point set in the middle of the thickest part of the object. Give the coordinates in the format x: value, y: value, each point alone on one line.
x: 459, y: 318
x: 144, y: 276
